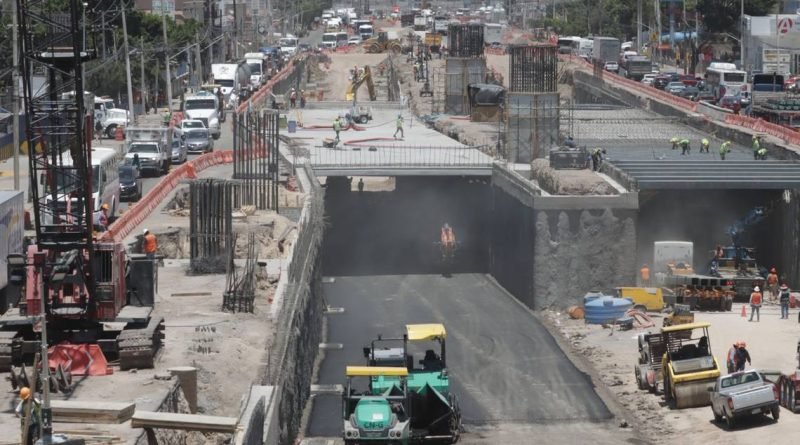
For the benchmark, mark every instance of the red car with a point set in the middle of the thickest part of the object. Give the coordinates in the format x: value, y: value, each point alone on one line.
x: 689, y: 80
x: 729, y: 102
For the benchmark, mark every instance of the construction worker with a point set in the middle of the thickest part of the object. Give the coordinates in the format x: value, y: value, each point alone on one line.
x: 731, y: 359
x: 448, y: 239
x: 742, y: 356
x: 293, y: 98
x: 360, y: 184
x: 644, y: 273
x: 704, y: 145
x: 724, y: 149
x: 685, y: 148
x: 166, y: 116
x: 98, y: 129
x: 674, y: 142
x: 35, y: 412
x: 337, y: 126
x: 772, y: 284
x: 761, y: 154
x: 399, y: 126
x: 784, y: 299
x: 756, y: 146
x: 302, y: 98
x: 101, y: 219
x: 150, y: 245
x: 755, y: 304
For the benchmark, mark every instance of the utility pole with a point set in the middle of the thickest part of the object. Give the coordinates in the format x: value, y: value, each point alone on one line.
x: 741, y: 37
x: 15, y: 81
x: 141, y: 60
x: 638, y: 25
x: 127, y: 63
x: 198, y: 64
x: 166, y: 56
x: 235, y: 29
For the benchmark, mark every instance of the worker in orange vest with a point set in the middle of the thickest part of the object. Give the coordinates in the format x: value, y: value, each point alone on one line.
x: 150, y: 245
x: 755, y: 304
x: 772, y: 284
x: 644, y: 272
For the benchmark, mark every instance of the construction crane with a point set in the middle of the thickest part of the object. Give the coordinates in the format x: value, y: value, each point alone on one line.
x: 358, y: 80
x: 75, y: 281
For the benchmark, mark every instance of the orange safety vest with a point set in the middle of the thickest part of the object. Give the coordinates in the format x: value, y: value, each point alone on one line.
x: 645, y: 273
x: 772, y: 278
x: 150, y: 243
x: 755, y: 298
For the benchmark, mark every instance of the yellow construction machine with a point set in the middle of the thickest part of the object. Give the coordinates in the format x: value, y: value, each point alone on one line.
x: 382, y: 43
x: 688, y: 368
x: 359, y: 78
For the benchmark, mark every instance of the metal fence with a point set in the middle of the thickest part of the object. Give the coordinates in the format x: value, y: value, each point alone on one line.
x: 256, y: 157
x: 399, y: 156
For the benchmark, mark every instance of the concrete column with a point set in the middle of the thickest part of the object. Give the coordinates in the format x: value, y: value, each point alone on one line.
x: 187, y: 376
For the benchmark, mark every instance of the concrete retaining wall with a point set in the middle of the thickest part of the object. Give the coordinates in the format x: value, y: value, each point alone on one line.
x: 297, y: 314
x: 550, y: 250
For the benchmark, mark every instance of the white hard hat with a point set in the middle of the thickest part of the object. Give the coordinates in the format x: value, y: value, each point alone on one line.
x: 757, y: 289
x: 146, y: 231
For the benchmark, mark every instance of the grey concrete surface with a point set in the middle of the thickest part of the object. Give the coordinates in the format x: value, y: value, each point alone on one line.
x: 505, y: 366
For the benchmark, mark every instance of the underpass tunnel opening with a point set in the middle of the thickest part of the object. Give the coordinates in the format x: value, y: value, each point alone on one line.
x: 398, y: 231
x: 705, y: 217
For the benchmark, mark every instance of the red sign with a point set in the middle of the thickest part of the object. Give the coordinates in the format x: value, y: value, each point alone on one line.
x: 785, y: 25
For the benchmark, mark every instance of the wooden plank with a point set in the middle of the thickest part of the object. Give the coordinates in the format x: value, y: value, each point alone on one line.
x: 67, y: 411
x: 187, y: 422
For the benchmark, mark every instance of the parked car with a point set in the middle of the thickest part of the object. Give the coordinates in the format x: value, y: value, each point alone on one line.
x: 198, y: 141
x: 611, y: 66
x: 689, y: 80
x: 689, y: 93
x: 729, y: 102
x: 648, y: 79
x: 661, y: 81
x: 179, y: 153
x: 674, y: 87
x: 705, y: 95
x: 130, y: 183
x: 743, y: 394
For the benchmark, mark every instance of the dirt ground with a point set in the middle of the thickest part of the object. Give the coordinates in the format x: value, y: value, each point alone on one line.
x: 337, y: 73
x: 772, y: 343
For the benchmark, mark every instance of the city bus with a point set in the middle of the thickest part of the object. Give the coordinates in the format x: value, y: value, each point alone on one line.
x: 724, y: 79
x: 568, y: 45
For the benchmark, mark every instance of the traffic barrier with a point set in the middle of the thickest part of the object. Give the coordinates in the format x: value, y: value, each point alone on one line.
x: 761, y: 126
x: 138, y: 212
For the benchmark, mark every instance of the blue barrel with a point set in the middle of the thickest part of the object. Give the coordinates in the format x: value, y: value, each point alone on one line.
x: 292, y: 126
x: 592, y: 295
x: 606, y: 309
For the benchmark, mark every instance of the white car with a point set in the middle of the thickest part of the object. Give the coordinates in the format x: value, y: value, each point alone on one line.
x: 611, y: 66
x: 355, y: 40
x: 648, y: 79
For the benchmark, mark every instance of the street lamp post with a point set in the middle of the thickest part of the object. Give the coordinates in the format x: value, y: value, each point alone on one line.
x: 127, y: 62
x: 166, y: 56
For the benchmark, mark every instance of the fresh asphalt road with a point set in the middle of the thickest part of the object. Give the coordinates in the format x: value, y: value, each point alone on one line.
x: 505, y: 366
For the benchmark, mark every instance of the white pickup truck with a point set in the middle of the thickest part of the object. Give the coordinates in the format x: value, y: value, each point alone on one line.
x: 743, y: 394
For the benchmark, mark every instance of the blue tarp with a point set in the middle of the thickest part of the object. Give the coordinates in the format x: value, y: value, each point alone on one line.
x: 679, y: 36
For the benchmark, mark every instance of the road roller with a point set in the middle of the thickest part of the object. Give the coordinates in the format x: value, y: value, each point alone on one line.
x: 688, y: 366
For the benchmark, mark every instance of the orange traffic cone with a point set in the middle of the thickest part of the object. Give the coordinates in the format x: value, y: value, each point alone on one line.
x: 744, y: 311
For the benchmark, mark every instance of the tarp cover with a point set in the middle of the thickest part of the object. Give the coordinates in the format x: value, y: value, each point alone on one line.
x: 486, y: 94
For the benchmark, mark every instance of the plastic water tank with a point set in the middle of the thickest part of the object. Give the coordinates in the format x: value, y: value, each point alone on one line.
x: 606, y: 309
x: 592, y: 295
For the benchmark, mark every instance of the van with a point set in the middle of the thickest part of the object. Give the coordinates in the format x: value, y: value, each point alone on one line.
x: 652, y: 299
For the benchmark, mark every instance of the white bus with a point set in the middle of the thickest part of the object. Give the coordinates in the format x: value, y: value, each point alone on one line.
x: 723, y: 79
x: 105, y: 183
x: 329, y: 40
x: 568, y: 45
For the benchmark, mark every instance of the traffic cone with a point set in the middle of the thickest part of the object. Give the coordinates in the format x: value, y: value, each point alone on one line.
x: 744, y: 311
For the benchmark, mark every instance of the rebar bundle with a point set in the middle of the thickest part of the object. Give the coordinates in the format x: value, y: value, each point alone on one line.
x: 240, y: 285
x: 533, y: 69
x: 466, y: 40
x: 256, y: 157
x: 211, y: 204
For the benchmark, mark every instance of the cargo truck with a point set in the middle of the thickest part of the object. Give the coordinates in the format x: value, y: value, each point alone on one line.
x: 606, y: 49
x: 635, y: 67
x: 12, y: 229
x: 492, y: 33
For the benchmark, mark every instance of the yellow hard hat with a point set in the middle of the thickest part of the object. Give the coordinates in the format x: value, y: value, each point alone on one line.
x: 24, y: 393
x: 104, y: 207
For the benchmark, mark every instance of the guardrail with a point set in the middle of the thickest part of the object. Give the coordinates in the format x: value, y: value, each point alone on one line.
x: 138, y: 212
x: 761, y: 126
x: 368, y: 154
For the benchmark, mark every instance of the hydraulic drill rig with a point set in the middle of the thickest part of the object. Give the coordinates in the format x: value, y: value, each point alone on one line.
x: 79, y: 284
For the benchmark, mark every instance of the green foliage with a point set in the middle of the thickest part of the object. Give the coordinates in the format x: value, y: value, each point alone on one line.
x: 722, y: 16
x: 615, y: 18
